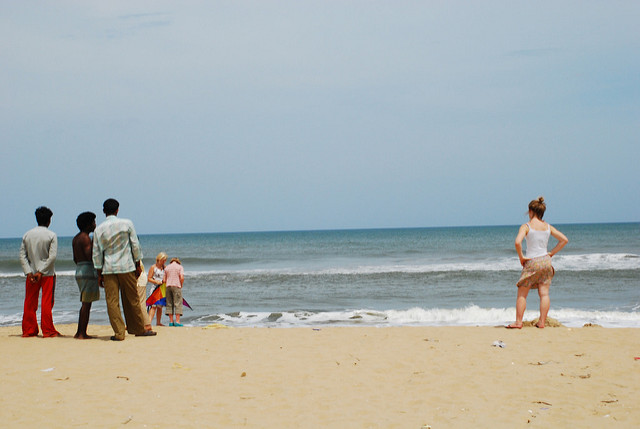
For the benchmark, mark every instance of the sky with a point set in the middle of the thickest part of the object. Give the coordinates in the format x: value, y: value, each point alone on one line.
x: 222, y: 116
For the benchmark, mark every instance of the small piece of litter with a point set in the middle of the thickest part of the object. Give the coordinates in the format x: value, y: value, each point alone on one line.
x: 499, y: 343
x: 216, y: 326
x: 47, y: 370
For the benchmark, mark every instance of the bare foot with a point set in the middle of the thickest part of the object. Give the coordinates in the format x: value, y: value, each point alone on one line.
x: 159, y: 324
x: 83, y: 337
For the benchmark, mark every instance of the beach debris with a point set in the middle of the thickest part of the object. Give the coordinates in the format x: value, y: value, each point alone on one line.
x: 317, y: 329
x: 216, y: 326
x: 123, y: 377
x: 244, y: 374
x: 583, y: 376
x: 612, y: 401
x: 542, y: 402
x: 579, y: 355
x: 177, y: 365
x: 549, y: 323
x: 128, y: 420
x: 425, y: 427
x: 542, y: 362
x: 48, y: 369
x: 62, y: 379
x: 591, y: 325
x: 499, y: 343
x: 636, y: 358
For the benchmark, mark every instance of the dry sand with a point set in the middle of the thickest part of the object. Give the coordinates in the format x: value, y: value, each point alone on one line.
x: 409, y: 377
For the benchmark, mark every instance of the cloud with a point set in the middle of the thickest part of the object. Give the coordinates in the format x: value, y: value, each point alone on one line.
x: 132, y: 24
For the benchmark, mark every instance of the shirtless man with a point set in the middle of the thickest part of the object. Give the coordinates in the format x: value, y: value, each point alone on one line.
x: 86, y: 275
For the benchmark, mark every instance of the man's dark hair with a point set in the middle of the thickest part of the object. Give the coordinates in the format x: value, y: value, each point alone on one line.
x: 85, y: 220
x: 43, y: 215
x: 110, y: 206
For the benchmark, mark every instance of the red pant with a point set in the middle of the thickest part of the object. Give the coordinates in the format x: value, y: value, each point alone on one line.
x: 29, y: 320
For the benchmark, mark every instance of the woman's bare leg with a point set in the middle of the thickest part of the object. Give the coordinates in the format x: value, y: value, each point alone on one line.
x: 521, y: 304
x: 545, y: 303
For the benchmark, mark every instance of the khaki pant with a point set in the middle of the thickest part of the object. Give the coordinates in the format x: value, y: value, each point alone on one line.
x: 142, y: 297
x: 174, y: 300
x: 125, y: 285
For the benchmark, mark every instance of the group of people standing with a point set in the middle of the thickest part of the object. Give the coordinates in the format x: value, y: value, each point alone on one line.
x: 111, y: 260
x: 171, y: 277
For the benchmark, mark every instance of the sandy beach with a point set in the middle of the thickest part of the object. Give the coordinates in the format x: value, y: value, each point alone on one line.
x: 407, y: 377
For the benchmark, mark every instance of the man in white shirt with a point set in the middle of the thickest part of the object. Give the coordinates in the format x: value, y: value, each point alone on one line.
x: 116, y: 256
x: 38, y: 253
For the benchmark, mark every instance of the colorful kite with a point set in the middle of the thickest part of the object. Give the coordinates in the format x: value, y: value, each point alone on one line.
x: 159, y: 297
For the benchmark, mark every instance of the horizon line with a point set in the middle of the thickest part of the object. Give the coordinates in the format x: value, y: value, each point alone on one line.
x: 275, y: 231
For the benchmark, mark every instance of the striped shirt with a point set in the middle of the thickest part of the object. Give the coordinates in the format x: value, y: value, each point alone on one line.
x: 116, y: 248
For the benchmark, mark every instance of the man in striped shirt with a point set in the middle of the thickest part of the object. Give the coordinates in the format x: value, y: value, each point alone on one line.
x: 116, y: 256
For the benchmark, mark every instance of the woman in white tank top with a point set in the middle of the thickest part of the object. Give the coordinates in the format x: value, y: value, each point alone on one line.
x: 156, y: 278
x: 537, y: 270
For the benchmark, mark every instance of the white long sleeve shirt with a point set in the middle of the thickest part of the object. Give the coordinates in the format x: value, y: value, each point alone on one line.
x: 38, y: 251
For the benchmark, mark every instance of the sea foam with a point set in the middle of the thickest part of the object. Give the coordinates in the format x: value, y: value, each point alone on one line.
x: 468, y: 316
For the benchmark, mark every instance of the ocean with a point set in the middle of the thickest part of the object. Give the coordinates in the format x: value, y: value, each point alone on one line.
x: 458, y: 276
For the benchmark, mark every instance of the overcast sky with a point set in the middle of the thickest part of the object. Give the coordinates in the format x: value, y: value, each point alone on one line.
x: 219, y: 116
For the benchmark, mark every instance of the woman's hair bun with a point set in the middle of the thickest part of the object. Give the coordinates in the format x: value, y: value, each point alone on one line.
x: 538, y: 207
